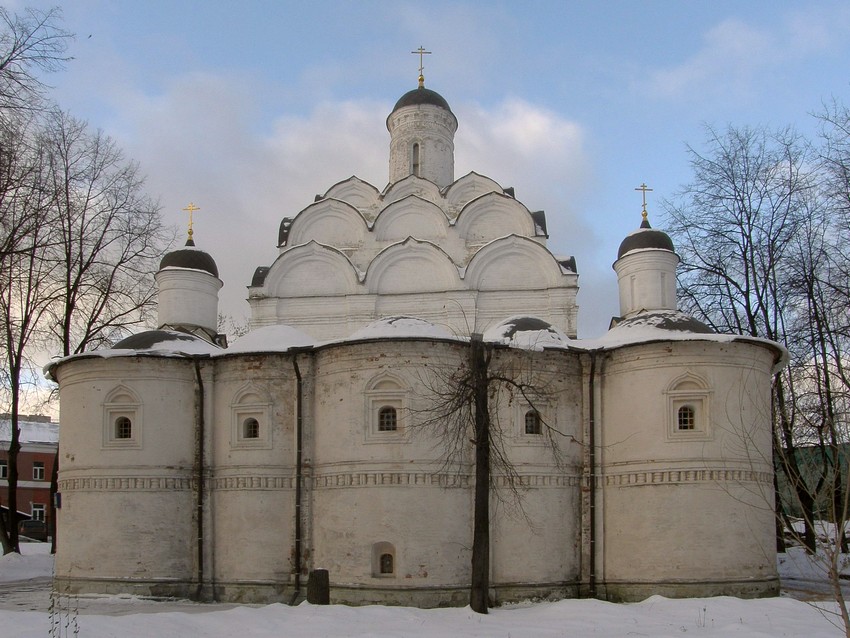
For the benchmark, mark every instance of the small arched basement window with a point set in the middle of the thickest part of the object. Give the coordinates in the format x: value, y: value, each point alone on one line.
x: 383, y: 560
x: 386, y: 564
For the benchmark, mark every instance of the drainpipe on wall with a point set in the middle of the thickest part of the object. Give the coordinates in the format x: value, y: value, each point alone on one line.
x: 199, y: 474
x: 592, y: 471
x: 298, y: 475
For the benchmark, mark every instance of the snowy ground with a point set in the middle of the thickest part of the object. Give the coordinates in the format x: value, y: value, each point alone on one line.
x: 25, y: 604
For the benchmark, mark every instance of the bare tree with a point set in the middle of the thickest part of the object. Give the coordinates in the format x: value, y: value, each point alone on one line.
x: 79, y: 238
x: 109, y: 237
x: 108, y: 240
x: 462, y: 407
x: 27, y: 289
x: 763, y: 235
x: 734, y: 227
x: 29, y: 43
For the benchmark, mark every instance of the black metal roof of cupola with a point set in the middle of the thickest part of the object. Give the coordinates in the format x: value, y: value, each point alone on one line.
x: 645, y: 237
x: 421, y: 95
x: 190, y: 256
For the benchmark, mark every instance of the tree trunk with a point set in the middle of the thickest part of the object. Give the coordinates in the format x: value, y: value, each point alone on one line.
x: 479, y: 591
x: 12, y: 479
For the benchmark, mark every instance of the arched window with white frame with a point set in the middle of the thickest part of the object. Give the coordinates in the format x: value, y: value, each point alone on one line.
x: 386, y: 401
x: 688, y: 403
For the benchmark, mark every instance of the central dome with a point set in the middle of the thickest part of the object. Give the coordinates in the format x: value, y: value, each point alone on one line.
x: 419, y: 96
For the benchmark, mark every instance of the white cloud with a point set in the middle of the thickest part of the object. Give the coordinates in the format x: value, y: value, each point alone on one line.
x: 538, y: 152
x: 732, y: 53
x: 736, y: 57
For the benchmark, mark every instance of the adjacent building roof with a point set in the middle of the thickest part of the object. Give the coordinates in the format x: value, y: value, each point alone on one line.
x: 31, y: 432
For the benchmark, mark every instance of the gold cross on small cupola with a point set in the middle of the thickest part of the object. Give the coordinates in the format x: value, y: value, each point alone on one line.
x: 644, y: 190
x: 421, y: 52
x: 191, y: 208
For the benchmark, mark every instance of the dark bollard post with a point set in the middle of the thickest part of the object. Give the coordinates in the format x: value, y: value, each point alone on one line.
x: 319, y: 587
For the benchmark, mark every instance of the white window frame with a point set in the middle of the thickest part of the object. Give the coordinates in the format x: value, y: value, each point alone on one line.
x: 36, y: 474
x: 251, y: 402
x: 4, y: 469
x: 691, y: 391
x: 122, y: 402
x: 386, y: 391
x: 35, y: 508
x: 547, y: 415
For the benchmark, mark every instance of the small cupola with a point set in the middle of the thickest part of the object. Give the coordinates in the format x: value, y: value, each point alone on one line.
x: 646, y: 268
x: 188, y: 285
x: 422, y: 129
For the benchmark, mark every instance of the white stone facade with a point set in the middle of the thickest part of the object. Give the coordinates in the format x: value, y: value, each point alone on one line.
x: 230, y: 474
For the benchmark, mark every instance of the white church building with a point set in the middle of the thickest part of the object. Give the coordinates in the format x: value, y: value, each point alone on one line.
x: 641, y: 461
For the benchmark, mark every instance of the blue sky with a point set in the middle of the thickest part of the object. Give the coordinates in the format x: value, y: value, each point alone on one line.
x: 249, y: 109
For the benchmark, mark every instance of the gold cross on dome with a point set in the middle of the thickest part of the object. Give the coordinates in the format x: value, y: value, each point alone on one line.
x: 191, y: 208
x: 644, y: 190
x: 422, y: 52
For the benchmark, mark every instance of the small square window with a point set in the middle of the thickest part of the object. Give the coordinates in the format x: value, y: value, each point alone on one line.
x: 4, y: 469
x: 38, y: 471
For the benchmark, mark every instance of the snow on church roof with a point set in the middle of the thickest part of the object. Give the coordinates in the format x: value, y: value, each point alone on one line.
x: 670, y: 325
x: 162, y: 342
x: 401, y: 326
x: 275, y: 338
x: 528, y: 333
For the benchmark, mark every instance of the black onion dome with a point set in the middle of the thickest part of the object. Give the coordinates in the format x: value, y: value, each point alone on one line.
x: 646, y: 237
x: 190, y: 258
x: 419, y: 96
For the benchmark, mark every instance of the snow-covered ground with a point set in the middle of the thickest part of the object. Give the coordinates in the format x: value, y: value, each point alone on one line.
x: 23, y: 586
